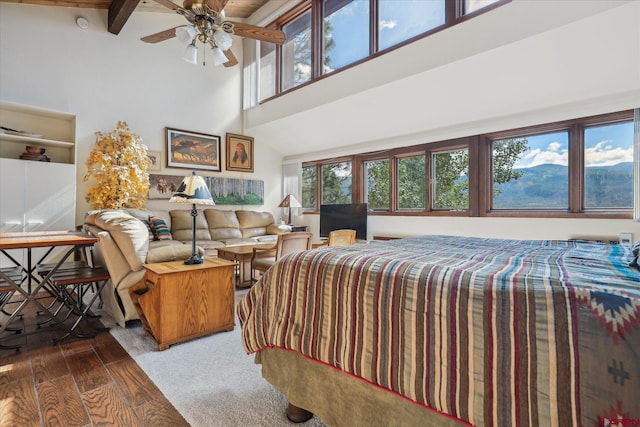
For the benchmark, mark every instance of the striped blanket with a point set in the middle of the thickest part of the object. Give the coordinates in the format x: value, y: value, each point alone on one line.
x: 492, y: 332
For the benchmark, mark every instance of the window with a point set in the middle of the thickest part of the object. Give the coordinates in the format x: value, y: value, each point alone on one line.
x: 345, y: 33
x: 309, y: 185
x: 296, y: 52
x: 377, y: 188
x: 336, y: 183
x: 531, y: 172
x: 412, y: 182
x: 608, y: 158
x: 473, y: 5
x: 400, y: 20
x: 267, y: 70
x: 575, y: 168
x: 450, y: 180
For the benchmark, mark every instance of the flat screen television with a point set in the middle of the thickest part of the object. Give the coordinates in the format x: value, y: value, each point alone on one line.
x: 338, y: 217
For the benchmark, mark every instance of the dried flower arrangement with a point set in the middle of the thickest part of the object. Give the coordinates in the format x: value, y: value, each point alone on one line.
x: 119, y: 164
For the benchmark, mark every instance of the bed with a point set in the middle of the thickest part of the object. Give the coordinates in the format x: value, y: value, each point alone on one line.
x: 451, y: 331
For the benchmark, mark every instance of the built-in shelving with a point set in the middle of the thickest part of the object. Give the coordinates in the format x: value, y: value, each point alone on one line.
x: 58, y: 130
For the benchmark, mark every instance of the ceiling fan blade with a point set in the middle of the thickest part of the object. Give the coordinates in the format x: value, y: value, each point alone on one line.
x: 161, y: 36
x: 258, y: 33
x: 217, y: 5
x: 168, y: 4
x: 231, y: 58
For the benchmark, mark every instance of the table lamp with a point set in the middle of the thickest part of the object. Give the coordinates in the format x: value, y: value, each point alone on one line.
x: 289, y: 202
x: 194, y: 190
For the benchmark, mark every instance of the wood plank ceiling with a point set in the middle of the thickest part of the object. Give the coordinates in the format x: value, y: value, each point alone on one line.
x: 121, y: 10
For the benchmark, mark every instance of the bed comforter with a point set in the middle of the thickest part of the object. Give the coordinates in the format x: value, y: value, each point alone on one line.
x: 492, y: 332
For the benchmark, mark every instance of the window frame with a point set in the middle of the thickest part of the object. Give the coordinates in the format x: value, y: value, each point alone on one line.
x: 454, y: 15
x: 480, y: 174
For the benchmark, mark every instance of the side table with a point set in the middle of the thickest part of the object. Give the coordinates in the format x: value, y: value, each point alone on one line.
x: 178, y: 302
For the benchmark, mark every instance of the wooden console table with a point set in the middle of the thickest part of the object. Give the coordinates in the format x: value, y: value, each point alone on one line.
x: 178, y: 302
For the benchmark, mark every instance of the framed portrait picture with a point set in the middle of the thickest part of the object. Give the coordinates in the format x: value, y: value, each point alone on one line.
x: 239, y: 153
x: 155, y: 160
x: 193, y: 150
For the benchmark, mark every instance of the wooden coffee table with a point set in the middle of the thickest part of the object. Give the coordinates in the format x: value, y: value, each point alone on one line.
x: 177, y: 302
x: 241, y: 255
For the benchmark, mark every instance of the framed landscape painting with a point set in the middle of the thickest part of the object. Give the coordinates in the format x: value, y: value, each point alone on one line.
x: 193, y: 150
x: 239, y: 153
x: 154, y: 156
x: 162, y: 187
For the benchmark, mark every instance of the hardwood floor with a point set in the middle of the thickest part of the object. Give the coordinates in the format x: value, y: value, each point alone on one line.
x: 79, y: 382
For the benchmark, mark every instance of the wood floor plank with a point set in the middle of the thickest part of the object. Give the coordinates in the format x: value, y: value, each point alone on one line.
x: 136, y: 386
x: 160, y: 413
x: 60, y: 403
x: 18, y: 404
x: 107, y: 407
x: 108, y: 348
x: 87, y: 370
x: 48, y: 363
x: 14, y: 367
x: 75, y: 345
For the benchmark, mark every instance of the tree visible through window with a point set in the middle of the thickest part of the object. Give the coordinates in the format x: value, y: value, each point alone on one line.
x: 336, y: 183
x: 296, y: 52
x: 451, y: 180
x: 309, y: 182
x: 412, y: 182
x: 377, y: 185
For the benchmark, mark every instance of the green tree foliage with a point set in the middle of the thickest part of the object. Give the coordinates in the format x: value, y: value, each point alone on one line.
x: 505, y: 154
x: 452, y: 184
x: 309, y: 181
x: 378, y: 184
x: 412, y: 185
x: 336, y: 183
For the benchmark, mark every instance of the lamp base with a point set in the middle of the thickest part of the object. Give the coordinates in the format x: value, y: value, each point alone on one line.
x: 195, y: 259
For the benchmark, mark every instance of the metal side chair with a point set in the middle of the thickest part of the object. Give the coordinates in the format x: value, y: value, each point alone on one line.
x: 263, y: 258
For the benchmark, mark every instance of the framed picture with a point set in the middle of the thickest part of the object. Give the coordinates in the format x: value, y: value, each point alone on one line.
x: 239, y: 153
x: 162, y: 187
x: 193, y: 150
x: 155, y: 160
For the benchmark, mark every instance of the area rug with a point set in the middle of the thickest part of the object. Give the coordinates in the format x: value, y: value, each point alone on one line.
x: 211, y: 381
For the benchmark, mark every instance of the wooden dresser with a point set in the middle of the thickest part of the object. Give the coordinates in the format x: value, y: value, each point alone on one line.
x: 178, y: 302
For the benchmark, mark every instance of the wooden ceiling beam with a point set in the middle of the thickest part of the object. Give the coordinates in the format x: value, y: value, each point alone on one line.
x: 119, y: 13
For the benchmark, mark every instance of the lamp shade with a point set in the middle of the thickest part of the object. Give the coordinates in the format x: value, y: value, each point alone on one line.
x: 186, y: 33
x: 289, y: 202
x: 222, y: 39
x: 218, y: 56
x: 194, y: 190
x: 191, y: 54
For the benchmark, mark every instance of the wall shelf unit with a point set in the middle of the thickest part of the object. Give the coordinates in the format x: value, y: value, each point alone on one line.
x: 58, y: 130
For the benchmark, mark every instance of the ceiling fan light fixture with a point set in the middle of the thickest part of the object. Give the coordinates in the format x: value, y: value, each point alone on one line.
x: 218, y: 56
x: 191, y: 53
x: 186, y: 34
x: 222, y: 39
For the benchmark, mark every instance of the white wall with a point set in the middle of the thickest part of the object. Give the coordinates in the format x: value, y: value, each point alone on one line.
x: 583, y: 60
x: 47, y: 61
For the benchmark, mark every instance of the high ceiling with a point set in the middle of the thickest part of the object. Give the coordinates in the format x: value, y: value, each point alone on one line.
x: 120, y: 10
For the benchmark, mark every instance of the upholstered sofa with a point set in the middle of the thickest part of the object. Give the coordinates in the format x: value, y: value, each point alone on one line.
x: 127, y: 239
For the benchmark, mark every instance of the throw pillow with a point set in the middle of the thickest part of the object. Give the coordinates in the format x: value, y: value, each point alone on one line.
x: 148, y: 224
x: 160, y: 228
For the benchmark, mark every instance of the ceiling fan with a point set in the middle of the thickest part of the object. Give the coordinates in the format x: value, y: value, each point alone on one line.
x: 208, y: 25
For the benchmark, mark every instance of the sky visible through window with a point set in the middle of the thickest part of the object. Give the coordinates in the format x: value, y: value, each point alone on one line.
x: 604, y: 146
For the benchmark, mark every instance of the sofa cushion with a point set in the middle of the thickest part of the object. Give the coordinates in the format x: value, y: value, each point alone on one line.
x: 254, y: 223
x: 240, y: 242
x: 160, y: 228
x: 129, y: 233
x: 223, y: 225
x: 172, y: 253
x: 182, y: 223
x: 146, y: 222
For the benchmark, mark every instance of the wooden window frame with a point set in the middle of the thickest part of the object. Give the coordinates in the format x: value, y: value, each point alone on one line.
x: 480, y: 174
x: 454, y: 15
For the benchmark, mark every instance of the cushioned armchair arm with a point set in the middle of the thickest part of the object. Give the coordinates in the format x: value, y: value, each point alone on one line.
x: 263, y: 252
